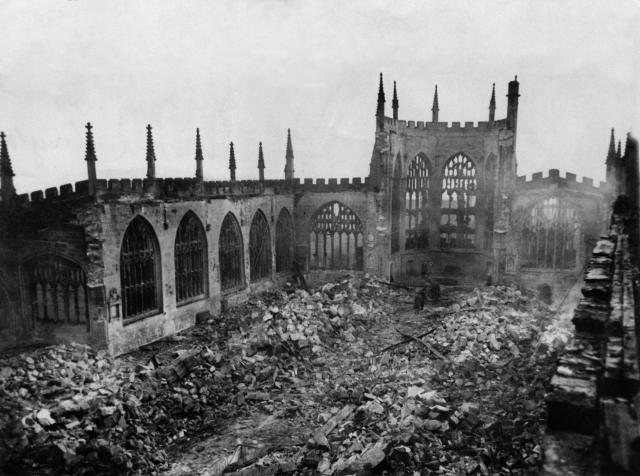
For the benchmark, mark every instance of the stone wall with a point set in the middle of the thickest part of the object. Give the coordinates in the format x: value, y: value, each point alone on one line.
x: 596, y: 388
x: 363, y: 205
x: 588, y: 200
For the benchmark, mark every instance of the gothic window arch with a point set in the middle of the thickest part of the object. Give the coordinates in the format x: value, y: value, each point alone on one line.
x: 550, y: 236
x: 417, y: 203
x: 190, y: 254
x: 57, y: 290
x: 231, y: 254
x: 140, y: 271
x: 259, y: 248
x: 284, y: 241
x: 336, y: 238
x: 459, y: 194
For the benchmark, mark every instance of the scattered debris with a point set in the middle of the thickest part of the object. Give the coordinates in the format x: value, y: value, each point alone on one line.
x: 460, y: 393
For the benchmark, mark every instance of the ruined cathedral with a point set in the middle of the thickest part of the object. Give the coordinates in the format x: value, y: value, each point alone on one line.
x: 122, y: 262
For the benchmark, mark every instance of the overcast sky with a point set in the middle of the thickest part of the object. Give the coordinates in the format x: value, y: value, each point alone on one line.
x: 245, y: 71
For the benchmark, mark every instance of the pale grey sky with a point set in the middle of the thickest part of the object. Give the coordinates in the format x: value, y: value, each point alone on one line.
x: 245, y: 71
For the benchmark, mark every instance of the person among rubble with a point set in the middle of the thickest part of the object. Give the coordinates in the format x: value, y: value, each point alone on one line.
x: 420, y: 298
x: 433, y: 290
x: 298, y: 278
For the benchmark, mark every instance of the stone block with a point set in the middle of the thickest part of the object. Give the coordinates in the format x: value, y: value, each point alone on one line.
x: 622, y: 433
x: 571, y: 405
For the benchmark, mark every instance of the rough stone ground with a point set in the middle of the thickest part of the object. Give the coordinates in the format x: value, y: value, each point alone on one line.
x: 321, y: 383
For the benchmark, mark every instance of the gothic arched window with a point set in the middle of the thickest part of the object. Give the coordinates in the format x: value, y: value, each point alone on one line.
x: 140, y: 275
x: 459, y: 189
x: 336, y: 238
x: 57, y: 290
x: 416, y: 199
x: 190, y: 259
x: 231, y: 254
x: 259, y: 248
x: 284, y: 241
x: 550, y: 236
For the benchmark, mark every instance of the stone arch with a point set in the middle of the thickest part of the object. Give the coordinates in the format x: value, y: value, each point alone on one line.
x: 259, y: 247
x: 140, y: 271
x: 417, y: 203
x: 231, y: 254
x: 336, y: 238
x: 190, y: 258
x: 284, y: 241
x: 55, y: 289
x: 550, y: 235
x: 458, y: 208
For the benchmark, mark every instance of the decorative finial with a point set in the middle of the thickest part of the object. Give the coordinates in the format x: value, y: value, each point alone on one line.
x: 5, y: 160
x: 436, y: 107
x: 232, y: 162
x: 151, y: 155
x: 289, y: 154
x: 288, y: 168
x: 611, y: 153
x: 394, y: 102
x: 381, y: 101
x: 7, y: 189
x: 619, y: 152
x: 260, y: 162
x: 199, y: 157
x: 492, y: 104
x: 90, y: 151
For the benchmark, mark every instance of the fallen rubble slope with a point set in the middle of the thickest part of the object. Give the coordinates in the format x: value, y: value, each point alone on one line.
x: 341, y: 380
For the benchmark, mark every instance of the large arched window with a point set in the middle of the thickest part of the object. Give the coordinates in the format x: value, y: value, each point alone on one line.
x: 190, y: 259
x: 336, y: 238
x: 57, y: 290
x: 284, y: 241
x: 140, y: 275
x: 417, y: 197
x: 259, y: 248
x: 459, y: 189
x: 550, y: 236
x: 231, y: 254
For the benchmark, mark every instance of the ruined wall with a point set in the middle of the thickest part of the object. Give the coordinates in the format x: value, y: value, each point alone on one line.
x: 588, y: 201
x: 165, y: 217
x: 490, y: 146
x: 596, y: 388
x: 309, y: 197
x: 88, y: 230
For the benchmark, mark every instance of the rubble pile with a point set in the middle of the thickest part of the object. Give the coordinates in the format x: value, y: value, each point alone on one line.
x: 64, y: 407
x: 470, y: 401
x: 454, y: 389
x: 300, y: 322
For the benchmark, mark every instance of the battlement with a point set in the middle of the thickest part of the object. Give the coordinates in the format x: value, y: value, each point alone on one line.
x: 182, y: 188
x: 445, y: 126
x: 332, y: 184
x: 169, y: 188
x: 553, y: 177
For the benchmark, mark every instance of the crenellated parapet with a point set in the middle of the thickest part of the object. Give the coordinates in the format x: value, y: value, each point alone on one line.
x: 553, y: 176
x: 184, y: 188
x: 159, y: 188
x: 467, y: 126
x: 332, y: 184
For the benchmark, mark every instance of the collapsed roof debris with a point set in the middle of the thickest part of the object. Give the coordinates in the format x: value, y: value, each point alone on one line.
x: 339, y: 381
